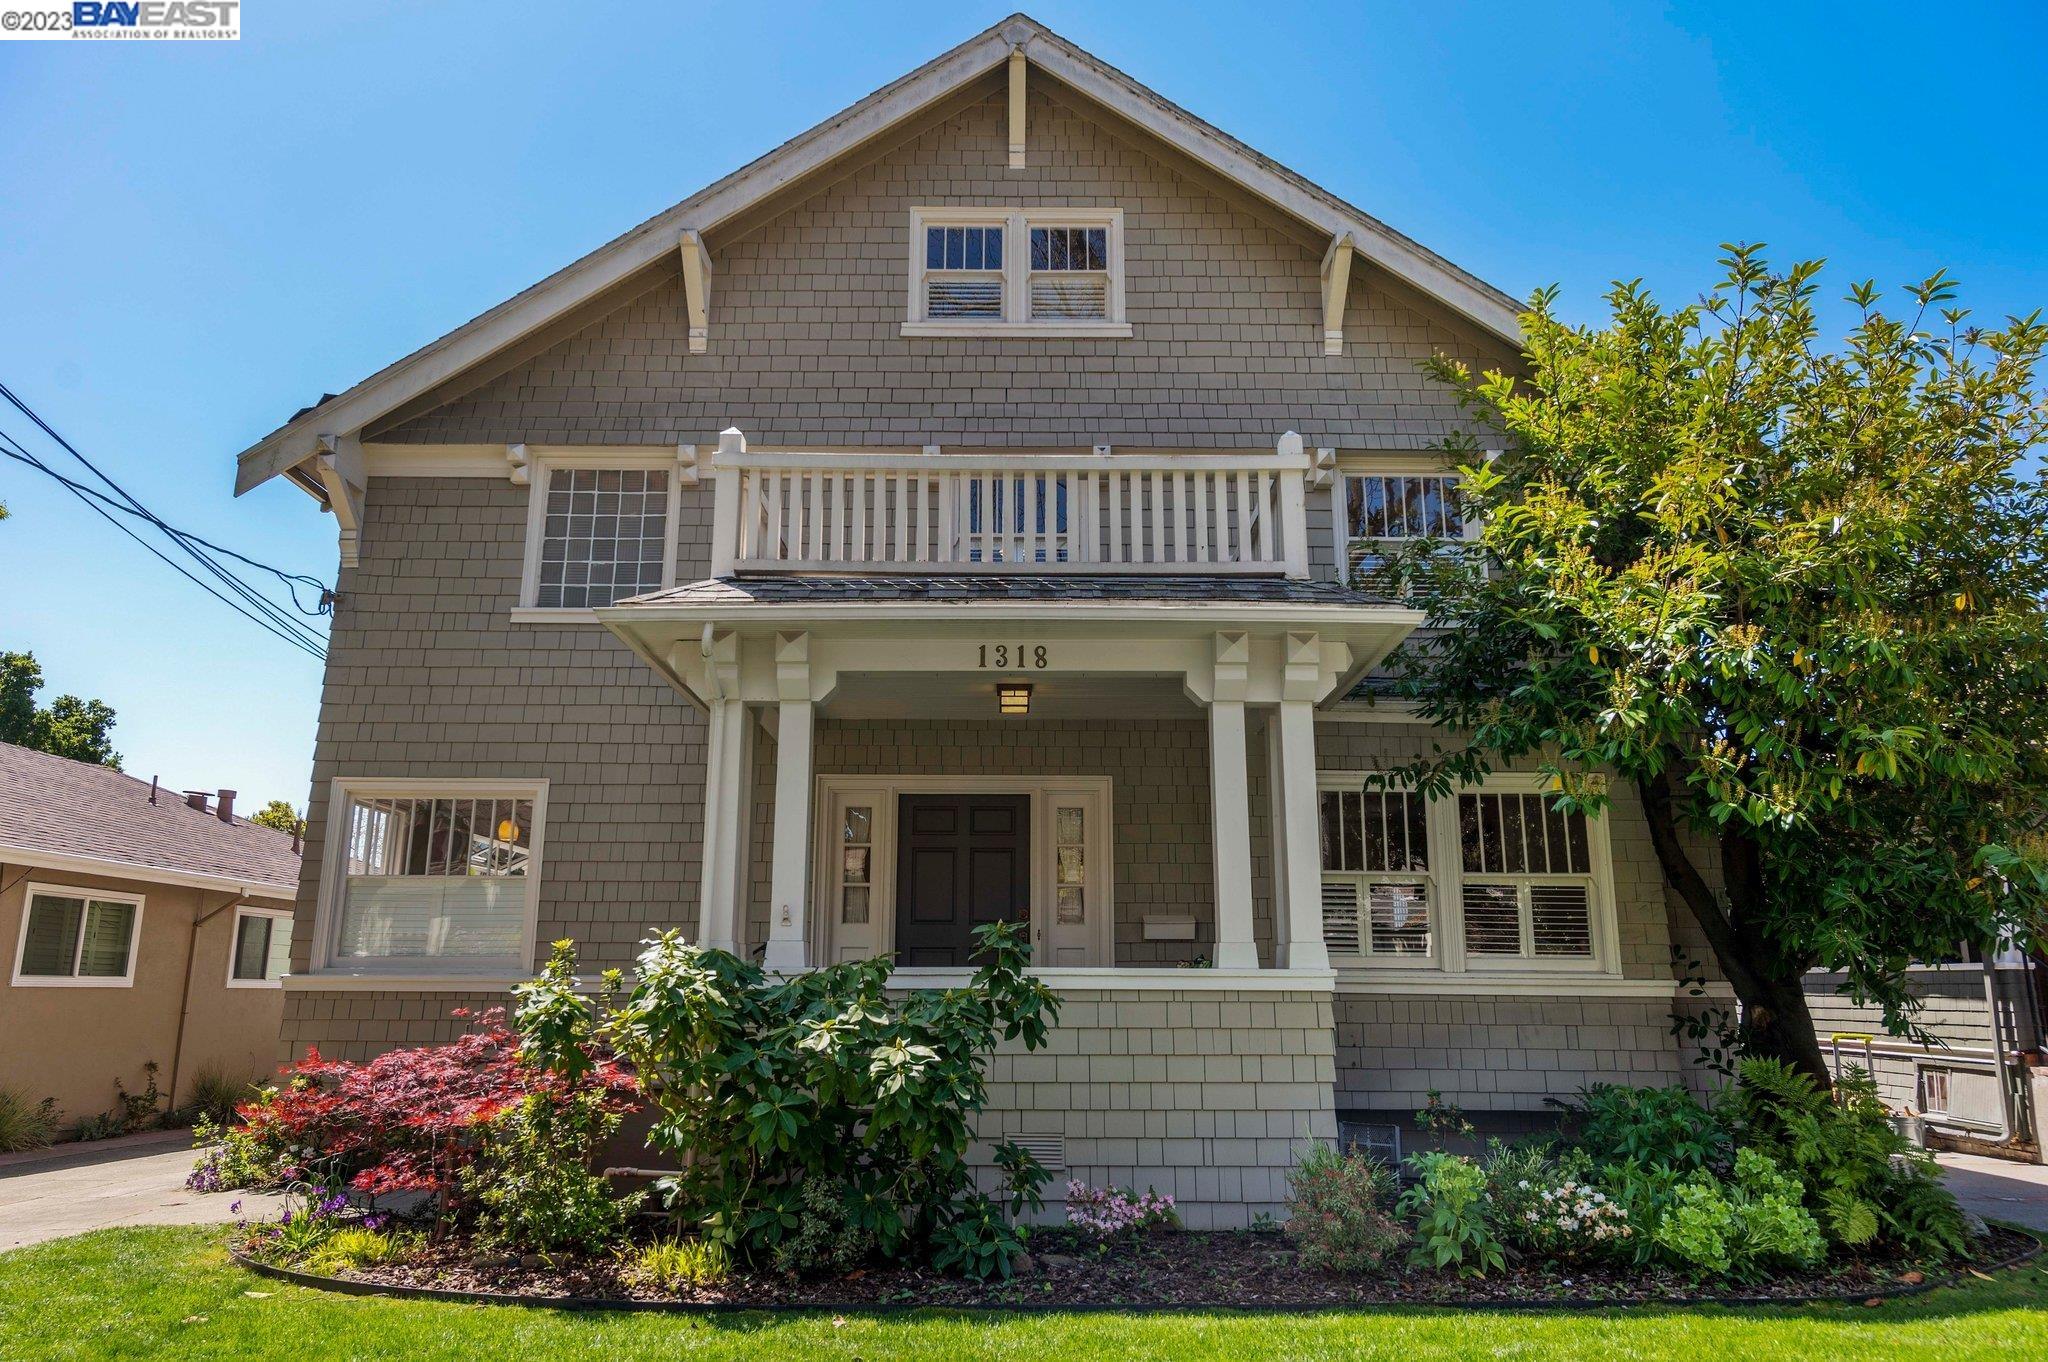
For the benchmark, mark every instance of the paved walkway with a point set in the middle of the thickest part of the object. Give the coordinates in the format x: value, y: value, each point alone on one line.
x: 1997, y: 1189
x: 139, y: 1180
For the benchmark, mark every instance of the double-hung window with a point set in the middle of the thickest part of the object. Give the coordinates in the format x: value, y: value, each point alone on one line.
x: 260, y: 954
x: 1031, y: 271
x: 1488, y: 878
x: 1383, y: 512
x: 82, y: 938
x: 1376, y: 882
x: 1528, y: 886
x: 433, y: 877
x: 599, y: 531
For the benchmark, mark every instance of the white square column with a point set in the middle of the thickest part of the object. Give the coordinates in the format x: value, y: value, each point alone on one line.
x: 789, y: 874
x: 727, y: 764
x: 1230, y: 821
x: 1298, y: 866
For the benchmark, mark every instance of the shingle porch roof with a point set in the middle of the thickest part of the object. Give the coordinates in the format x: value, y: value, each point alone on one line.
x: 1020, y: 588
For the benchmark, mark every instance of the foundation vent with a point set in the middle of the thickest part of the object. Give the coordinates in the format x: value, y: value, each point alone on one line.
x: 1049, y: 1150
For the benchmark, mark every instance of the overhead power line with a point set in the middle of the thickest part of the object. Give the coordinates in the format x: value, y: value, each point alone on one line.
x: 227, y: 585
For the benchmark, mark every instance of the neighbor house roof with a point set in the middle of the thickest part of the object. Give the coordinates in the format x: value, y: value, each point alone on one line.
x: 828, y: 143
x: 60, y: 814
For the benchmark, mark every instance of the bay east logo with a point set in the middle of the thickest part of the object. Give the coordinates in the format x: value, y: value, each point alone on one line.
x: 179, y: 18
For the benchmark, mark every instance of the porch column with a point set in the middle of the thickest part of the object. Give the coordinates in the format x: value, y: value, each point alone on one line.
x: 1230, y: 824
x: 719, y: 916
x: 725, y: 821
x: 788, y: 881
x: 1299, y: 919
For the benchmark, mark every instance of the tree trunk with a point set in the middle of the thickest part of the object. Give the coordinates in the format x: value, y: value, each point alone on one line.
x: 1776, y: 1022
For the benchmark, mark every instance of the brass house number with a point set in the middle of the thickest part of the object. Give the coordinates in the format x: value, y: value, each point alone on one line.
x: 1005, y: 657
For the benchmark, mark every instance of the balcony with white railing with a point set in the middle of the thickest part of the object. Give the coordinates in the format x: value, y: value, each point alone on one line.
x: 1039, y: 514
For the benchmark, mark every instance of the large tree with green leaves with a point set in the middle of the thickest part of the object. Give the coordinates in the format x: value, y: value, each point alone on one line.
x: 1792, y: 594
x: 66, y: 727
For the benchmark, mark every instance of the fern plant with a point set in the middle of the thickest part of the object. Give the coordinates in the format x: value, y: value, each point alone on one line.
x: 1865, y: 1183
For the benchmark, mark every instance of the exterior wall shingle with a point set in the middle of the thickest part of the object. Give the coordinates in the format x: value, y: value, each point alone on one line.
x: 1225, y: 306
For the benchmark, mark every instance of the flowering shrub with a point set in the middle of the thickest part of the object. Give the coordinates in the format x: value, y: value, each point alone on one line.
x: 1742, y: 1227
x: 1106, y: 1212
x: 1571, y: 1220
x: 408, y: 1121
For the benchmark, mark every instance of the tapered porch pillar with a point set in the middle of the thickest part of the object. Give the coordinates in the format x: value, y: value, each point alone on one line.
x: 1298, y: 867
x: 1230, y: 824
x: 789, y: 875
x: 725, y: 821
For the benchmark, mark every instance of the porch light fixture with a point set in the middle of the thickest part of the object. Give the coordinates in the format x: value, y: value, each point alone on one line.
x: 1013, y: 697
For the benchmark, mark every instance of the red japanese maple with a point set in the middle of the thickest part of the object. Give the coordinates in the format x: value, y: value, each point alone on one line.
x: 408, y: 1120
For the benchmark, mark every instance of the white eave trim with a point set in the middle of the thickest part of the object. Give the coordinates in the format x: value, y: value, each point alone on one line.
x: 659, y: 237
x: 1559, y: 985
x: 1269, y: 614
x: 144, y: 874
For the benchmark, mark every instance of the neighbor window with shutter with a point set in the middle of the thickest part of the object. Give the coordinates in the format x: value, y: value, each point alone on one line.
x: 992, y: 271
x: 1383, y: 513
x: 81, y: 938
x: 261, y: 953
x: 433, y: 877
x: 1493, y: 878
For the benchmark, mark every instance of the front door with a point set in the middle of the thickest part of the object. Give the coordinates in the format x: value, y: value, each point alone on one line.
x: 962, y: 861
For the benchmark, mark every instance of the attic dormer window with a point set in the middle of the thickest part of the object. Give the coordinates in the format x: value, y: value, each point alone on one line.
x: 1026, y: 271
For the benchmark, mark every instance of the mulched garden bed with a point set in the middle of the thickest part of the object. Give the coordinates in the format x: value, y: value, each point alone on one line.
x: 1170, y: 1270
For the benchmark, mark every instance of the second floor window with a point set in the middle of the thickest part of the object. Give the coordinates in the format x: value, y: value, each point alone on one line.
x: 1383, y: 512
x: 1039, y: 271
x: 604, y: 534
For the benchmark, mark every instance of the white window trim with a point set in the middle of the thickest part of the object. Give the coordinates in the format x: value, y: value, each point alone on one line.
x: 73, y: 891
x: 540, y: 470
x: 245, y: 910
x: 427, y: 970
x: 1447, y: 884
x: 1016, y: 224
x: 883, y: 790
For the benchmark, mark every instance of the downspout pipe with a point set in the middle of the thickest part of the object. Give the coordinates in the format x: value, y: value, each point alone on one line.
x: 1999, y: 1067
x: 185, y: 997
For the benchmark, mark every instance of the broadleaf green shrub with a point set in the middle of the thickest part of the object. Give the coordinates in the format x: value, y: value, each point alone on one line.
x: 1448, y: 1202
x: 1661, y: 1126
x: 531, y: 1181
x: 765, y: 1086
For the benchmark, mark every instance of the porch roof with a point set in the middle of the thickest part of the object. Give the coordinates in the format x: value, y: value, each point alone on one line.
x: 968, y: 588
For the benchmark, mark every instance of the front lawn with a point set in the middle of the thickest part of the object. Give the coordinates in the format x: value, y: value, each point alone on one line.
x: 172, y: 1293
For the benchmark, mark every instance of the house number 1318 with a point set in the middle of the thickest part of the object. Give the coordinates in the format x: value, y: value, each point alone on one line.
x: 1004, y: 657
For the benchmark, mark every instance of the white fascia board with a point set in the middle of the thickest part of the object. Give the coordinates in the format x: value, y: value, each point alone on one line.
x: 658, y: 238
x: 1268, y: 616
x: 143, y: 874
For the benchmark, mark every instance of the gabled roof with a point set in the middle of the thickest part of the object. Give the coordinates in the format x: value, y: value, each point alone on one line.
x: 521, y: 316
x: 72, y: 815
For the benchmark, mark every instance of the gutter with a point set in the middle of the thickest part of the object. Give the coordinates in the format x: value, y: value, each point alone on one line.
x: 185, y: 997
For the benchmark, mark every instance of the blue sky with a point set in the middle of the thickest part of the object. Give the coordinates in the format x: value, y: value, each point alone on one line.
x: 197, y: 240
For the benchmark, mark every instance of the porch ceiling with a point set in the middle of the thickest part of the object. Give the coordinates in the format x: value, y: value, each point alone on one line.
x: 972, y: 695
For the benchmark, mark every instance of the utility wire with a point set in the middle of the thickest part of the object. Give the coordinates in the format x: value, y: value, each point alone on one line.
x: 266, y: 613
x: 245, y: 599
x: 323, y: 606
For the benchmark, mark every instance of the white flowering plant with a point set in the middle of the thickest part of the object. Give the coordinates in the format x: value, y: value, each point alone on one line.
x: 1571, y: 1220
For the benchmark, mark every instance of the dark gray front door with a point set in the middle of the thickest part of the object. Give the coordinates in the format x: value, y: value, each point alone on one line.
x: 961, y: 861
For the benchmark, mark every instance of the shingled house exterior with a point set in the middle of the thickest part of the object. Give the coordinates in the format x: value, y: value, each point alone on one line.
x: 949, y: 517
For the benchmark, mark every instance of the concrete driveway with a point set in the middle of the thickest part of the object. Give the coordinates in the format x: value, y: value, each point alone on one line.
x: 139, y: 1180
x: 1997, y: 1189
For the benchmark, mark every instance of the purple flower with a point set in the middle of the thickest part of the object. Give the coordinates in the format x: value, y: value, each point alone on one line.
x: 235, y: 1206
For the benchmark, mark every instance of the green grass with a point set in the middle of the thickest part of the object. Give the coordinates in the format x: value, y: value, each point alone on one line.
x: 172, y: 1293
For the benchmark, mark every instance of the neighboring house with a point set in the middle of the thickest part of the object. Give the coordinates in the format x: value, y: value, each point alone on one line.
x: 143, y: 926
x: 948, y: 517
